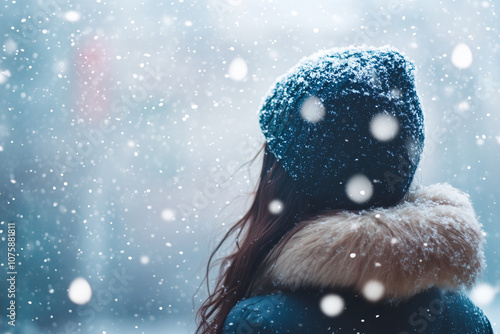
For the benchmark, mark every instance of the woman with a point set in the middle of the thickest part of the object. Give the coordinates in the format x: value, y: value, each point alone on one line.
x: 338, y: 239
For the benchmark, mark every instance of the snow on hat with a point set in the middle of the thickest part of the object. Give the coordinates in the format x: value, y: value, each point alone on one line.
x: 347, y: 126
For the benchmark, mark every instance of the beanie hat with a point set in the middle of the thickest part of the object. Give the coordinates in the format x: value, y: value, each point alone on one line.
x: 347, y: 126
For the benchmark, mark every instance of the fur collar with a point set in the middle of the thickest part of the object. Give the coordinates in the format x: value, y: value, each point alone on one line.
x: 431, y: 239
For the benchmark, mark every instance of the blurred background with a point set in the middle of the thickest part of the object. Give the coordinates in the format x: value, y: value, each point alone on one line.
x: 126, y: 128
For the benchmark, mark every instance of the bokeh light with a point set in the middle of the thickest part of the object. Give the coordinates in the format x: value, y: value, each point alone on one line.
x: 332, y: 305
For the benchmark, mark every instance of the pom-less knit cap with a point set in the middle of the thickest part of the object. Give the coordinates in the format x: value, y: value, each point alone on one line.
x: 347, y: 126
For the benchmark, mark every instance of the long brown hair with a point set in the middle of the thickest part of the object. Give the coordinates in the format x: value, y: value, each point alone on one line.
x: 261, y: 231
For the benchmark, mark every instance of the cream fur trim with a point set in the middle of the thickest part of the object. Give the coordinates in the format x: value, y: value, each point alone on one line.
x: 431, y: 239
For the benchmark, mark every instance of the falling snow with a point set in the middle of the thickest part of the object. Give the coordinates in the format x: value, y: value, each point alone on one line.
x: 461, y: 56
x: 384, y: 127
x: 373, y: 291
x: 79, y: 291
x: 276, y: 206
x: 126, y: 128
x: 313, y: 110
x: 332, y: 305
x: 359, y: 188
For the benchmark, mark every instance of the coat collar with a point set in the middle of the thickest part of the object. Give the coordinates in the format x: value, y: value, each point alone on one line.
x: 433, y: 238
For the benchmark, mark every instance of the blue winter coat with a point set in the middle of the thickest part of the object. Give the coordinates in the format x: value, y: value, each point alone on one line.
x: 396, y: 270
x: 430, y: 312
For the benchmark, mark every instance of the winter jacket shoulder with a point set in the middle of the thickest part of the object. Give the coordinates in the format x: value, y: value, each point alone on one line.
x: 395, y: 270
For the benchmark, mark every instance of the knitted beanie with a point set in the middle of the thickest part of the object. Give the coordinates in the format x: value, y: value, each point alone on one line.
x: 347, y: 126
